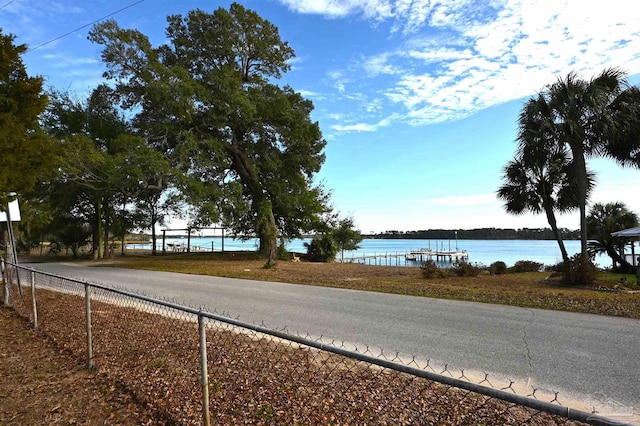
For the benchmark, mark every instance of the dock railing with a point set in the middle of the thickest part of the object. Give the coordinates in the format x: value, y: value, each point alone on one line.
x: 198, y: 367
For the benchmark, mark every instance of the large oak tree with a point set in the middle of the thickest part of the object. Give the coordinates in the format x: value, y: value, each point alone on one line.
x: 208, y: 100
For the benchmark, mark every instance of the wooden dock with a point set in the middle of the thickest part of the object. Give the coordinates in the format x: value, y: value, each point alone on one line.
x: 414, y: 255
x: 428, y: 253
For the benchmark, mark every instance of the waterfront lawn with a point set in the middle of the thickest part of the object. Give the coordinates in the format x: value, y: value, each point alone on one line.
x: 529, y: 289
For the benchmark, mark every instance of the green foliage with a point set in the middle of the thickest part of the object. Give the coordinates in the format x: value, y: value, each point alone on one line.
x: 100, y: 169
x: 581, y: 271
x: 558, y: 267
x: 321, y: 248
x: 526, y: 266
x: 283, y: 253
x: 28, y: 155
x: 586, y: 118
x: 462, y: 268
x: 25, y: 246
x: 71, y: 232
x: 246, y: 148
x: 604, y: 219
x: 498, y: 268
x: 346, y: 236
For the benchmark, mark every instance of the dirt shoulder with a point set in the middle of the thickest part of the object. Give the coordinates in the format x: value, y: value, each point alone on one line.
x: 39, y: 384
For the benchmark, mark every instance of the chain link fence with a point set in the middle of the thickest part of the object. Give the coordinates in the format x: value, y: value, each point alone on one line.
x: 196, y: 367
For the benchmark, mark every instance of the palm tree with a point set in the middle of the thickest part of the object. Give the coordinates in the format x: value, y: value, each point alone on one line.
x: 624, y: 145
x: 539, y: 183
x: 605, y: 219
x: 541, y: 177
x: 581, y: 116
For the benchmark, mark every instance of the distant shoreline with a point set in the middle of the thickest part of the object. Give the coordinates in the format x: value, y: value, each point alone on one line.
x: 477, y: 234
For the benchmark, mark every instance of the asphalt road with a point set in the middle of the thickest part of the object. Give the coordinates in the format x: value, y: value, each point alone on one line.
x: 590, y: 359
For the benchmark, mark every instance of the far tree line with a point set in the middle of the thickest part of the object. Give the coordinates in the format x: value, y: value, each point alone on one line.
x: 479, y: 234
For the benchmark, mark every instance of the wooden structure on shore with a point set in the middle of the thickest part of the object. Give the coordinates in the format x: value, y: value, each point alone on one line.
x: 413, y: 255
x: 427, y: 253
x: 180, y: 247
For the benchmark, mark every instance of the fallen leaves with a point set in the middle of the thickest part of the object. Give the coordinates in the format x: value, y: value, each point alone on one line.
x: 152, y: 353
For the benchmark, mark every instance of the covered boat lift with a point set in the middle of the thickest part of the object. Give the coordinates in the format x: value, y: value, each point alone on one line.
x: 630, y: 234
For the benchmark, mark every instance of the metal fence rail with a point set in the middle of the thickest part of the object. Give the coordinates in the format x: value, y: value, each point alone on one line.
x: 198, y: 367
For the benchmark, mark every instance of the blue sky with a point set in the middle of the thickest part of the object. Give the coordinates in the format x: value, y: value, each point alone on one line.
x: 417, y: 99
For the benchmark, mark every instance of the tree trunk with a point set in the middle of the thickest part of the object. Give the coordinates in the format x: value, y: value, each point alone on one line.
x: 106, y: 252
x: 153, y: 236
x: 581, y: 191
x: 625, y: 266
x: 265, y: 227
x: 551, y: 218
x: 97, y: 232
x: 267, y: 231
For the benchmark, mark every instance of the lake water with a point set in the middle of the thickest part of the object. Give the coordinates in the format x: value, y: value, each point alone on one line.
x: 480, y: 251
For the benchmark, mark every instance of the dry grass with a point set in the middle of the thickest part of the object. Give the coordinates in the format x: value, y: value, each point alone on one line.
x: 41, y: 384
x: 254, y: 379
x: 523, y: 289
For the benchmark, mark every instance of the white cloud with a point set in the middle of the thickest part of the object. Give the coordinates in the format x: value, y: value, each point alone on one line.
x: 359, y: 127
x: 379, y: 64
x: 470, y: 55
x: 364, y: 127
x: 375, y: 9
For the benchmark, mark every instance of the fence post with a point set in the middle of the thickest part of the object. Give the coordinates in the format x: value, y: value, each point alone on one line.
x: 33, y: 300
x: 6, y: 284
x: 87, y: 305
x: 204, y: 374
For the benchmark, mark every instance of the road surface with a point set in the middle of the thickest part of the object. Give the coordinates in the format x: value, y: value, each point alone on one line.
x: 592, y: 360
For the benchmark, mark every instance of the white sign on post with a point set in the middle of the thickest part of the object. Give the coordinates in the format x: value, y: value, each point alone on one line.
x: 14, y: 212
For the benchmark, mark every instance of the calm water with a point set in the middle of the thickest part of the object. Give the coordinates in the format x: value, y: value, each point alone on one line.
x: 480, y: 251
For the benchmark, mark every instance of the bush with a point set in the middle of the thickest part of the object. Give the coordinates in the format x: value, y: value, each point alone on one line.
x: 321, y: 249
x: 581, y: 271
x: 526, y: 266
x: 283, y: 254
x: 558, y: 267
x: 498, y: 268
x: 431, y: 270
x: 24, y: 246
x: 462, y: 268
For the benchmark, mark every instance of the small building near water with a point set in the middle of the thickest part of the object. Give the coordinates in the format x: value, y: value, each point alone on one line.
x: 631, y: 234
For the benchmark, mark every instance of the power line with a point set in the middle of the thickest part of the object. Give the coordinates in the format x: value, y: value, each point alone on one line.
x: 84, y: 26
x: 6, y: 4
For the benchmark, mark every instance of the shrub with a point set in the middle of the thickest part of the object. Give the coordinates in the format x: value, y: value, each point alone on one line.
x: 431, y: 270
x: 498, y: 268
x: 321, y: 249
x: 526, y: 266
x: 558, y: 267
x: 283, y: 254
x: 581, y: 271
x: 462, y: 268
x: 24, y: 246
